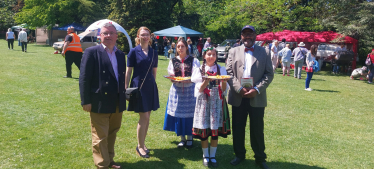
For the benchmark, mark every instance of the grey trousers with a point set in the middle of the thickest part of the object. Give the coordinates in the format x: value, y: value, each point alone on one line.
x: 298, y: 68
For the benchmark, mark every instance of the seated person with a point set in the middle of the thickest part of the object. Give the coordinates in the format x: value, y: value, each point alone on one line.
x: 30, y: 38
x: 359, y: 73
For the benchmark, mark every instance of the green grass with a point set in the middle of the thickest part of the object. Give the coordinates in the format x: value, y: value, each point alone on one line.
x: 43, y: 126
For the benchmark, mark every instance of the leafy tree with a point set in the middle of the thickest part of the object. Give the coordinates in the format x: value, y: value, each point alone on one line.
x: 37, y: 13
x: 154, y: 14
x: 223, y: 18
x: 7, y: 10
x: 356, y: 22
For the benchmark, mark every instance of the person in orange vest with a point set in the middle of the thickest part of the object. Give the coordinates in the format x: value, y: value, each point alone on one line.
x: 72, y: 51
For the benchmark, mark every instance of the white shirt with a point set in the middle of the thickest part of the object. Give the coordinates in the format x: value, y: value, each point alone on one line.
x: 309, y: 59
x: 113, y: 59
x: 247, y: 63
x: 22, y: 36
x: 197, y: 78
x: 10, y: 35
x: 275, y: 53
x: 338, y: 49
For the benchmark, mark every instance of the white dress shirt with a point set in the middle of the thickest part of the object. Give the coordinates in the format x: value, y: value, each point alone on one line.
x: 248, y: 63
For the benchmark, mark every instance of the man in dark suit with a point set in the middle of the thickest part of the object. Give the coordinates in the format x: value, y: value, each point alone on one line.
x: 249, y: 61
x: 102, y: 89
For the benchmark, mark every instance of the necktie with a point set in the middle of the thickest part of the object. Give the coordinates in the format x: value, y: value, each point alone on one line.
x: 249, y: 49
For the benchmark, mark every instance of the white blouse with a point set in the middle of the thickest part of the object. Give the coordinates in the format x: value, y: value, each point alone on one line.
x: 195, y: 64
x: 197, y: 78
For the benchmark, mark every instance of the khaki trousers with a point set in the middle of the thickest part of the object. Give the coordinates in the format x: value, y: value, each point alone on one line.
x: 104, y: 128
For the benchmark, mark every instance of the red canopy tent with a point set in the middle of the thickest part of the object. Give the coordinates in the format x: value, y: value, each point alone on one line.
x: 310, y: 38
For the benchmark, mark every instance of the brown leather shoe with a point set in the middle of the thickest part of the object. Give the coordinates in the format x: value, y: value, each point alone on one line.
x: 114, y: 165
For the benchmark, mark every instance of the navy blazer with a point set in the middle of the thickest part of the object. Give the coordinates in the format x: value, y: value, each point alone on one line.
x: 97, y: 82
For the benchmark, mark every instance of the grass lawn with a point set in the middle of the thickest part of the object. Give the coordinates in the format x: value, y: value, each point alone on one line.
x: 43, y: 125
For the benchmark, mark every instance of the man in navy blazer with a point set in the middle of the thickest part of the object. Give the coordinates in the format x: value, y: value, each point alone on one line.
x: 102, y: 90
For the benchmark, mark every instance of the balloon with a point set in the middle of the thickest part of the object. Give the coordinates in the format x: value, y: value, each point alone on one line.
x: 188, y: 38
x: 157, y: 37
x: 175, y: 38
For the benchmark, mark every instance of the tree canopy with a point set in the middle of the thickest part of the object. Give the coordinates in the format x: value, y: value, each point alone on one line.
x: 219, y: 19
x: 38, y: 13
x: 154, y: 14
x: 8, y: 8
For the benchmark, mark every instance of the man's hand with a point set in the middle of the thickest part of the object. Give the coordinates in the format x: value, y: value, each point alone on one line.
x: 87, y: 107
x: 251, y: 93
x: 63, y: 53
x: 243, y: 91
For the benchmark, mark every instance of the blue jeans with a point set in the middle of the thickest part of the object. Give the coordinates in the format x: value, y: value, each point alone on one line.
x: 166, y: 48
x: 371, y: 68
x: 335, y: 68
x: 309, y: 76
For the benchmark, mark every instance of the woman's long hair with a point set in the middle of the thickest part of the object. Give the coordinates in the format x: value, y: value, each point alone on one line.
x: 313, y: 50
x: 185, y: 44
x: 137, y: 40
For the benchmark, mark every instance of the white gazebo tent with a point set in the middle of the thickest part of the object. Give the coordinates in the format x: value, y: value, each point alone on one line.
x: 97, y: 25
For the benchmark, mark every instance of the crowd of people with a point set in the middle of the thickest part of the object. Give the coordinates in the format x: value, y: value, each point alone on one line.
x: 195, y: 48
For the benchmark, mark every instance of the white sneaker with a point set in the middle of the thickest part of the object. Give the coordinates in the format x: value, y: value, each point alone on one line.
x: 308, y: 89
x: 370, y: 82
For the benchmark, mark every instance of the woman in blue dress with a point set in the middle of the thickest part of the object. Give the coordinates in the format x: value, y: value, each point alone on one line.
x: 140, y: 60
x: 181, y: 103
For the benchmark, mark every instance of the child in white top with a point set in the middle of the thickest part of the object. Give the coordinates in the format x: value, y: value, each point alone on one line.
x: 211, y: 117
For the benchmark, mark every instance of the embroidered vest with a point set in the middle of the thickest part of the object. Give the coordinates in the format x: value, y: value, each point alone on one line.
x: 187, y: 66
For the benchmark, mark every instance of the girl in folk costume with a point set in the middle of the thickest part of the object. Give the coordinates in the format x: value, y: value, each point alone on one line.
x: 211, y: 116
x: 181, y: 103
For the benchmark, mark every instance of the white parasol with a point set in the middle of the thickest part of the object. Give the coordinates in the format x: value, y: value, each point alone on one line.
x: 97, y: 25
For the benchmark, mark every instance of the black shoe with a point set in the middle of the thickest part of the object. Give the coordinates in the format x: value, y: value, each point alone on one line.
x: 138, y: 152
x: 67, y: 76
x: 181, y: 144
x: 236, y: 161
x: 206, y: 164
x: 189, y: 146
x: 213, y: 164
x: 262, y: 165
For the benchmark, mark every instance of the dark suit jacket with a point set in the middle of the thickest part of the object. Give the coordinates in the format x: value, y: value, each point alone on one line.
x: 97, y: 82
x: 191, y: 49
x: 261, y: 71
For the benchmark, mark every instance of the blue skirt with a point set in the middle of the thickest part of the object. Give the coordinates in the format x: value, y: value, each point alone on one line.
x: 181, y: 126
